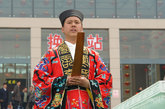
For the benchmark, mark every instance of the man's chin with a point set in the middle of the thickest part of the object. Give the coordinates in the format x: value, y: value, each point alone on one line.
x: 74, y: 34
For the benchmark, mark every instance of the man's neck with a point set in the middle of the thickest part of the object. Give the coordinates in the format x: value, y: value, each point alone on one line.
x: 71, y: 40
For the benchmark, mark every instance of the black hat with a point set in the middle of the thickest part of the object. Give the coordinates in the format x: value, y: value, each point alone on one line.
x: 69, y: 13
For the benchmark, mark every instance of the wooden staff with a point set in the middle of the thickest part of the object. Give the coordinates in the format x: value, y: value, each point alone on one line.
x: 78, y: 58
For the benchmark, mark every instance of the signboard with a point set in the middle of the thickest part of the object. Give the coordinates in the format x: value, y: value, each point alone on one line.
x: 94, y: 41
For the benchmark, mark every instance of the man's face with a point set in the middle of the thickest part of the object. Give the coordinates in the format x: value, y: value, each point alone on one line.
x: 72, y: 26
x: 31, y: 89
x: 25, y: 89
x: 19, y: 83
x: 5, y: 86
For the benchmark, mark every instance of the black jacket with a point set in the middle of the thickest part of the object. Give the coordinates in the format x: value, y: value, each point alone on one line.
x: 4, y: 95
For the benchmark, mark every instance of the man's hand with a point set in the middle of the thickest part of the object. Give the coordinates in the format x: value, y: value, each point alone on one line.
x: 78, y: 80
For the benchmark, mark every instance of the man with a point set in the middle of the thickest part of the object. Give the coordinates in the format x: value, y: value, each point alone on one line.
x: 17, y: 95
x: 139, y: 90
x: 54, y: 86
x: 4, y: 96
x: 31, y: 97
x: 24, y: 95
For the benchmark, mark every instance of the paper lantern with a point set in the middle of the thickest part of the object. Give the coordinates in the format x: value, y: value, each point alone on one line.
x: 127, y: 91
x: 46, y: 2
x: 125, y: 47
x: 161, y: 33
x: 7, y: 74
x: 17, y: 36
x: 124, y: 38
x: 127, y: 75
x: 160, y: 3
x: 23, y: 2
x: 126, y: 66
x: 46, y: 13
x: 20, y: 75
x: 145, y: 69
x: 142, y: 46
x: 91, y: 2
x: 127, y: 83
x: 163, y: 67
x: 69, y: 2
x: 16, y: 46
x: 142, y: 37
x: 156, y: 37
x: 138, y: 2
x: 113, y: 3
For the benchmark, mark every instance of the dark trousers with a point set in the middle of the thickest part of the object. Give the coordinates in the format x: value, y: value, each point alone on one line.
x: 31, y: 105
x: 24, y: 105
x: 16, y: 104
x: 4, y: 105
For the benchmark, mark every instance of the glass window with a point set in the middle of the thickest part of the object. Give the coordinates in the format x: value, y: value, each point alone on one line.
x: 61, y: 5
x: 142, y: 46
x: 146, y: 8
x: 14, y: 56
x: 5, y: 8
x: 15, y: 45
x: 105, y: 8
x: 22, y: 8
x: 97, y: 39
x: 142, y: 59
x: 87, y: 7
x: 126, y: 9
x: 1, y: 74
x: 161, y: 10
x: 9, y: 70
x: 43, y: 8
x: 21, y: 69
x: 1, y: 68
x: 45, y: 35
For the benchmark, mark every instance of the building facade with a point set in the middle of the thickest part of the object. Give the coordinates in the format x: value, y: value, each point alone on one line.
x: 128, y: 34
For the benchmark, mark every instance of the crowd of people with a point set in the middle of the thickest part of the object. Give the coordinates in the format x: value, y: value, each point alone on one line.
x: 17, y: 99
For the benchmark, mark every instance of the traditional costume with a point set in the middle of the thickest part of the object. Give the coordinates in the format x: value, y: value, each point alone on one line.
x: 50, y: 77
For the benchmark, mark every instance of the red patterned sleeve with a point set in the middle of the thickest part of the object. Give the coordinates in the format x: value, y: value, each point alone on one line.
x: 100, y: 81
x: 42, y: 80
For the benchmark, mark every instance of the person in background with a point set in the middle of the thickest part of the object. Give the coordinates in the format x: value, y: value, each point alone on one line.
x: 24, y: 95
x: 139, y: 90
x: 17, y: 95
x: 31, y: 97
x: 4, y: 97
x: 56, y: 88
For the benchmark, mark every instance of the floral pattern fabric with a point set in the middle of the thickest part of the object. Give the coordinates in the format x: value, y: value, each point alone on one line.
x: 51, y: 73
